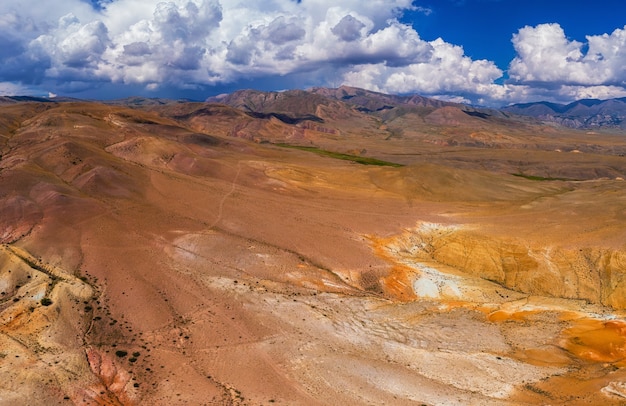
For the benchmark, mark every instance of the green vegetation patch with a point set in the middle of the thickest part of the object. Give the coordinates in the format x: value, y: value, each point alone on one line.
x: 338, y: 155
x: 539, y: 178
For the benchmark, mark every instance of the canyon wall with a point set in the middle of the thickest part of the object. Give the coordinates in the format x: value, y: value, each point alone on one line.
x: 597, y: 275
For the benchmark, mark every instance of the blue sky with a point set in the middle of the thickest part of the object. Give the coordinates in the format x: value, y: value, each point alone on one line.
x: 483, y: 52
x: 485, y: 27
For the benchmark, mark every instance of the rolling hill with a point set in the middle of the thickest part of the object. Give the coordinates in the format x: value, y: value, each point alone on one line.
x: 319, y: 247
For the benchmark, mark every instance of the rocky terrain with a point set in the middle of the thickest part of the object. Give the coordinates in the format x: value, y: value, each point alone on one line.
x: 585, y: 114
x: 321, y: 247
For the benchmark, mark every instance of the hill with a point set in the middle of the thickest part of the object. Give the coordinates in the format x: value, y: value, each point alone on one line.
x: 583, y: 114
x: 328, y: 246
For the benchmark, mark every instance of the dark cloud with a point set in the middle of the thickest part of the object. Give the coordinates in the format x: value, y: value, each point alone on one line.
x: 285, y: 54
x: 188, y: 58
x: 16, y: 32
x: 188, y: 22
x: 137, y: 49
x: 280, y: 31
x: 239, y: 52
x: 348, y: 29
x: 10, y: 46
x: 135, y: 54
x: 22, y: 69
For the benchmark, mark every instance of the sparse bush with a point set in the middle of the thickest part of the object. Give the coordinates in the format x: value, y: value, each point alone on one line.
x: 46, y: 301
x: 121, y: 353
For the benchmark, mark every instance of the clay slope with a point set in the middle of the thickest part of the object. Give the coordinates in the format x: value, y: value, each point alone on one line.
x: 188, y: 253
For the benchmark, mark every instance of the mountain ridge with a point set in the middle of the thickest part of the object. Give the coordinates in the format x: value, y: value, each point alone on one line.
x: 298, y: 105
x: 581, y: 114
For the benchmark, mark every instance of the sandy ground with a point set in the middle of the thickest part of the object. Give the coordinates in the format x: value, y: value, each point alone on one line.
x: 230, y: 272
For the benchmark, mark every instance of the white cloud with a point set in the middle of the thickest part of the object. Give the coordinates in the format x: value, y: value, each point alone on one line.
x: 206, y: 42
x: 545, y: 54
x: 446, y: 70
x: 71, y: 51
x: 168, y: 45
x: 42, y: 15
x: 192, y: 43
x: 424, y: 10
x: 202, y: 42
x: 12, y: 89
x: 267, y: 44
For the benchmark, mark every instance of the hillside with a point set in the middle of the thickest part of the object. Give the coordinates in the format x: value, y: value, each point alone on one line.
x: 320, y: 247
x: 583, y: 114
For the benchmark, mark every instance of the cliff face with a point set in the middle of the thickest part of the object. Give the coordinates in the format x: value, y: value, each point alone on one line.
x: 596, y: 275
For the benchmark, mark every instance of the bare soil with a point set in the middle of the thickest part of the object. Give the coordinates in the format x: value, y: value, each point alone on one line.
x: 161, y: 261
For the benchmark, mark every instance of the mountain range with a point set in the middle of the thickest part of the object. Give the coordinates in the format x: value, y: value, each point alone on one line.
x: 584, y: 114
x: 301, y: 105
x: 581, y: 114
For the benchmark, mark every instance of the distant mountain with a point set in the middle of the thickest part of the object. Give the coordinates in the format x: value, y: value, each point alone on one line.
x: 137, y: 101
x: 369, y: 101
x: 307, y: 101
x: 314, y: 104
x: 583, y: 114
x: 34, y: 99
x: 319, y: 104
x: 294, y: 102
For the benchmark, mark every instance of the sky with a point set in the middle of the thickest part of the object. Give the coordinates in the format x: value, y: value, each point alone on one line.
x: 481, y: 52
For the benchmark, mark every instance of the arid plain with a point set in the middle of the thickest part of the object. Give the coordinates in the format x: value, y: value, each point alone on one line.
x: 322, y: 247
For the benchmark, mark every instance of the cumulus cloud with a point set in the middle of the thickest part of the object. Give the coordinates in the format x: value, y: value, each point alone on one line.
x: 72, y: 51
x: 348, y: 29
x: 550, y: 65
x: 281, y: 31
x: 136, y: 49
x: 273, y: 41
x: 446, y: 70
x: 544, y: 54
x: 200, y: 43
x: 203, y: 42
x: 167, y: 46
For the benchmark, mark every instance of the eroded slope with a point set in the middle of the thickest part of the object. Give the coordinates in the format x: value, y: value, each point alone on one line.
x: 183, y: 265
